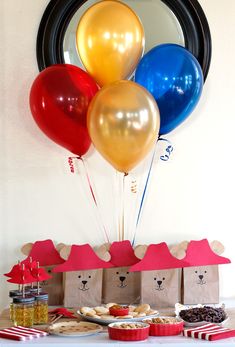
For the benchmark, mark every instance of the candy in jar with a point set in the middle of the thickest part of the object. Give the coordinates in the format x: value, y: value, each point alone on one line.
x: 23, y: 311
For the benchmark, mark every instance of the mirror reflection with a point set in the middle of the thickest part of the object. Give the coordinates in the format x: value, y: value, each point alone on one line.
x: 160, y: 25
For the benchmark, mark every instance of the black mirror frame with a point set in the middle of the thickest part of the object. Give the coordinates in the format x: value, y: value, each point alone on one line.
x: 58, y: 14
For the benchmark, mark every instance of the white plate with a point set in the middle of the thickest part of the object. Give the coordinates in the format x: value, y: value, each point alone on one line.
x: 180, y: 307
x: 108, y: 321
x: 73, y: 328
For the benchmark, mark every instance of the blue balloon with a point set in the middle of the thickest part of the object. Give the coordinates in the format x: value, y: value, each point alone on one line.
x: 175, y: 79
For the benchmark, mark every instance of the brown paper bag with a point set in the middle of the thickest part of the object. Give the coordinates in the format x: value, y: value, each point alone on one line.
x: 54, y: 287
x: 201, y: 285
x: 161, y: 288
x: 82, y: 288
x: 121, y: 286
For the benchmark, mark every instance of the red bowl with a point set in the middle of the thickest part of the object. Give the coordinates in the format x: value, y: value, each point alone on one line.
x: 122, y: 311
x: 165, y: 329
x: 122, y: 334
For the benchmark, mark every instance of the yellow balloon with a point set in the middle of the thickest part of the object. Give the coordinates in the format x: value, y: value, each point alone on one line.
x: 123, y: 122
x: 110, y: 41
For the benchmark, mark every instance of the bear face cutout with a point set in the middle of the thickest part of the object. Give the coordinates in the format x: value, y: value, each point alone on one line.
x: 122, y: 279
x: 82, y: 288
x: 201, y: 285
x: 201, y: 276
x: 159, y: 282
x: 161, y: 288
x: 84, y: 281
x: 121, y: 286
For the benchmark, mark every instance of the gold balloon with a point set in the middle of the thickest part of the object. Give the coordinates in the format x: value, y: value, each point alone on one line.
x: 110, y: 41
x: 123, y: 122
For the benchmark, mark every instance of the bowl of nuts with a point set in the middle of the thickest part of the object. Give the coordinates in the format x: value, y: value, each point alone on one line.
x: 165, y: 326
x: 128, y: 331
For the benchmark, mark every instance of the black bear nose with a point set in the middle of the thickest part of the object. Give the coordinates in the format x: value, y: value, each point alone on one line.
x: 84, y: 282
x: 122, y: 278
x: 201, y: 277
x: 159, y: 282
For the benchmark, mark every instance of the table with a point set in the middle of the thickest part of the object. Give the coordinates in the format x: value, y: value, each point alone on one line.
x: 102, y: 340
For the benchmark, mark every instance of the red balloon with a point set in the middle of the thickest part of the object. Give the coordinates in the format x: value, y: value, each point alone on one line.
x: 59, y: 99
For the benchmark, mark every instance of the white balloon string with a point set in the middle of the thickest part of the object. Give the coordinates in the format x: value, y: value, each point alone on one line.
x: 92, y: 192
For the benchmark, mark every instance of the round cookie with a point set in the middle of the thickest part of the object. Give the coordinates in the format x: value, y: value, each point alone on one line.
x: 107, y: 316
x: 110, y: 304
x: 142, y: 308
x: 85, y: 310
x: 128, y: 316
x: 142, y: 314
x: 101, y: 310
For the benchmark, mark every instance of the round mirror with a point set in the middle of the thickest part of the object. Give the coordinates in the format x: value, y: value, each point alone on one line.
x: 165, y: 21
x: 160, y: 25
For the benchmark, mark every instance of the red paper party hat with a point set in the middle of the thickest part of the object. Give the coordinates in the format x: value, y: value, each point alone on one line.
x: 82, y: 257
x: 158, y: 257
x: 122, y: 254
x: 199, y: 253
x: 45, y: 253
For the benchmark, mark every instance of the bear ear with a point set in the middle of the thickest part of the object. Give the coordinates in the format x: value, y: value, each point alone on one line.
x: 103, y: 252
x: 179, y: 251
x: 60, y: 246
x: 140, y: 251
x: 65, y: 251
x: 26, y: 249
x: 217, y: 247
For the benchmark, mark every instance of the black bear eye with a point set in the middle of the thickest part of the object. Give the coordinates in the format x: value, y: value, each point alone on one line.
x: 195, y: 272
x: 79, y: 276
x: 89, y: 276
x: 127, y: 273
x: 117, y: 273
x: 205, y: 272
x: 155, y: 279
x: 163, y: 278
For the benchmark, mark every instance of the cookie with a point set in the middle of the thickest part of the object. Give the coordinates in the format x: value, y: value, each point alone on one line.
x: 101, y: 310
x: 91, y: 313
x: 142, y: 308
x: 107, y: 316
x: 110, y: 304
x: 142, y: 314
x: 85, y: 310
x: 128, y: 316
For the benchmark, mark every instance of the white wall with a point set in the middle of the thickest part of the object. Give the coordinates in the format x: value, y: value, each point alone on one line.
x: 189, y: 197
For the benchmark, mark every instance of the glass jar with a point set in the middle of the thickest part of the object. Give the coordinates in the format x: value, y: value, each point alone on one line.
x: 41, y: 308
x: 13, y: 294
x: 23, y: 311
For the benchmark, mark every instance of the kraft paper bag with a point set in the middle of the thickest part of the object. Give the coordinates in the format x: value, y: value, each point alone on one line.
x: 54, y: 287
x: 82, y: 288
x: 201, y: 285
x: 161, y: 288
x: 121, y: 286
